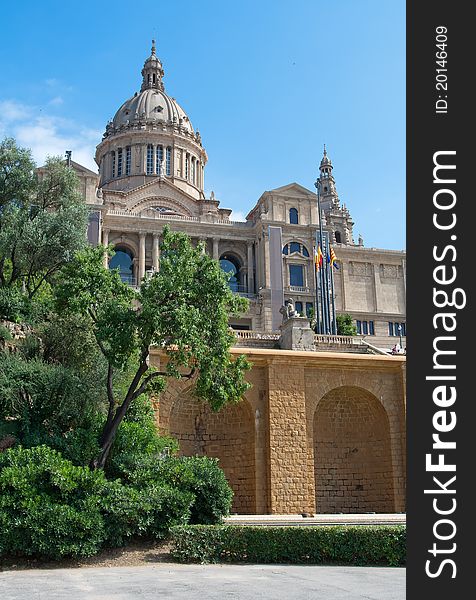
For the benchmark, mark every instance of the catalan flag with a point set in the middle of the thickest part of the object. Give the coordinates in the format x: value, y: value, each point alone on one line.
x: 318, y: 257
x: 333, y: 259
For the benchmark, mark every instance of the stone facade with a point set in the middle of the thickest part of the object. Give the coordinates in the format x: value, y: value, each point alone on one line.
x: 317, y: 432
x: 151, y: 173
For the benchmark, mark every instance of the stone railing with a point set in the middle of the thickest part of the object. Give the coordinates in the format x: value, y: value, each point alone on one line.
x: 336, y: 340
x: 270, y: 339
x: 151, y: 214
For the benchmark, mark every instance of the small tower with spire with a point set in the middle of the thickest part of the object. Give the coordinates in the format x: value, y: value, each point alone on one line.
x: 152, y: 72
x: 337, y: 217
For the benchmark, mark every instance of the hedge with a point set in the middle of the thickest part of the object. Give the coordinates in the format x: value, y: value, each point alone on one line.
x: 357, y: 545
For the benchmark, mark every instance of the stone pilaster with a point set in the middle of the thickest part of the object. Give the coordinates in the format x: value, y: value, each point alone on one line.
x: 290, y: 476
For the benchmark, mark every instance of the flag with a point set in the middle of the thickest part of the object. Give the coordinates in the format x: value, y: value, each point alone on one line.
x: 333, y: 259
x: 318, y: 257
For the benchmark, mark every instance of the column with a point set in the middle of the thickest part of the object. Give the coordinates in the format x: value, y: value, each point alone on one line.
x: 141, y: 256
x: 155, y: 251
x: 105, y: 242
x: 215, y: 248
x: 251, y: 279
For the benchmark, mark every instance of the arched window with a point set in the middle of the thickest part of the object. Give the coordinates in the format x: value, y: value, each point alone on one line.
x: 123, y: 261
x: 295, y: 247
x: 159, y: 157
x: 293, y: 216
x: 150, y: 159
x: 231, y: 265
x: 168, y: 161
x: 338, y: 237
x: 119, y: 162
x: 128, y: 160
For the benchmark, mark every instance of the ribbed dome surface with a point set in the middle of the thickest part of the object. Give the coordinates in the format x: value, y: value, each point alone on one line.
x: 152, y: 104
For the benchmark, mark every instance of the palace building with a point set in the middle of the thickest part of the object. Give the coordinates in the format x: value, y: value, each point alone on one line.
x: 318, y: 431
x: 151, y: 172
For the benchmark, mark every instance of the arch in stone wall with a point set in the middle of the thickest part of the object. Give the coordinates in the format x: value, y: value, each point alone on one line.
x: 353, y: 470
x: 227, y: 435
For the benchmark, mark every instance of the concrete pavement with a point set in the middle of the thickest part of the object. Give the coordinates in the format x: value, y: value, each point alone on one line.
x: 205, y: 582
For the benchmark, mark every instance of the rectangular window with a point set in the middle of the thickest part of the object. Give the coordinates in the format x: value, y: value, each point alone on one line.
x: 128, y: 160
x: 168, y: 161
x: 113, y: 170
x: 187, y: 163
x: 296, y: 275
x: 150, y: 159
x: 298, y: 306
x: 119, y: 162
x: 390, y: 328
x: 359, y: 326
x: 365, y: 327
x: 371, y: 328
x: 309, y: 308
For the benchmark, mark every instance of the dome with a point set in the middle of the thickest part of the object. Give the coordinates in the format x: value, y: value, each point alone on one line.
x: 151, y: 104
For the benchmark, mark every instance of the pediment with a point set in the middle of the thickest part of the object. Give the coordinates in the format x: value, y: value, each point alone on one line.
x: 162, y: 197
x: 292, y: 190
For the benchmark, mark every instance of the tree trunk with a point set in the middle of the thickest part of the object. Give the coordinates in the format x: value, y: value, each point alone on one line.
x: 111, y: 426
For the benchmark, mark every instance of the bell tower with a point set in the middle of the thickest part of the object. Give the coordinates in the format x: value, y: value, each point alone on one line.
x: 336, y: 216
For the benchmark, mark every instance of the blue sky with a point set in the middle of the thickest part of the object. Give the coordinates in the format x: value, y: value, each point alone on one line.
x: 267, y: 83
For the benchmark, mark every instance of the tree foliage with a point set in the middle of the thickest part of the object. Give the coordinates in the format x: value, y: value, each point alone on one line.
x: 183, y: 309
x: 345, y: 325
x: 43, y: 218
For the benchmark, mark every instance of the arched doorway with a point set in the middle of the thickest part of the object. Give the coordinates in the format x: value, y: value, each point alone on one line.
x: 352, y: 453
x: 123, y: 261
x: 227, y: 435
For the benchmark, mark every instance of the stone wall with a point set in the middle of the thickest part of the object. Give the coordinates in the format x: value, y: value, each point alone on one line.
x: 317, y: 432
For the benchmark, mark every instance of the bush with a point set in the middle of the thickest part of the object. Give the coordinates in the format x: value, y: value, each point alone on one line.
x: 149, y: 512
x: 345, y: 325
x: 198, y: 475
x: 5, y: 333
x: 51, y: 508
x: 48, y: 507
x: 360, y: 545
x: 12, y: 304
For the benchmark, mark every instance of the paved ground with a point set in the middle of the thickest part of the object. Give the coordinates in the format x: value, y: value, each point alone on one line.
x: 206, y: 582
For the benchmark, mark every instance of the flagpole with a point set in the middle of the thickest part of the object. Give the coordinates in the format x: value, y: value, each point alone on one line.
x: 326, y: 259
x: 318, y: 320
x: 317, y: 185
x: 334, y: 320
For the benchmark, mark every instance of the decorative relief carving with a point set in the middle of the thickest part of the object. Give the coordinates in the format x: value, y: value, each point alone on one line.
x: 360, y: 269
x: 391, y: 271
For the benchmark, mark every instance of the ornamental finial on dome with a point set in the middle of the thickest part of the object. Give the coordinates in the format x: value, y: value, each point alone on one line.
x: 152, y: 72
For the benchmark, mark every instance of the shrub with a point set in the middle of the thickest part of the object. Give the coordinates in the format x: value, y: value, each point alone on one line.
x: 5, y: 333
x: 359, y: 545
x: 51, y: 508
x: 12, y: 304
x: 48, y: 507
x: 345, y: 325
x: 149, y: 512
x: 198, y: 475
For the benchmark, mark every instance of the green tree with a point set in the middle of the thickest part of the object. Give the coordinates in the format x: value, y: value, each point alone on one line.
x: 345, y: 325
x: 43, y: 219
x: 183, y: 309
